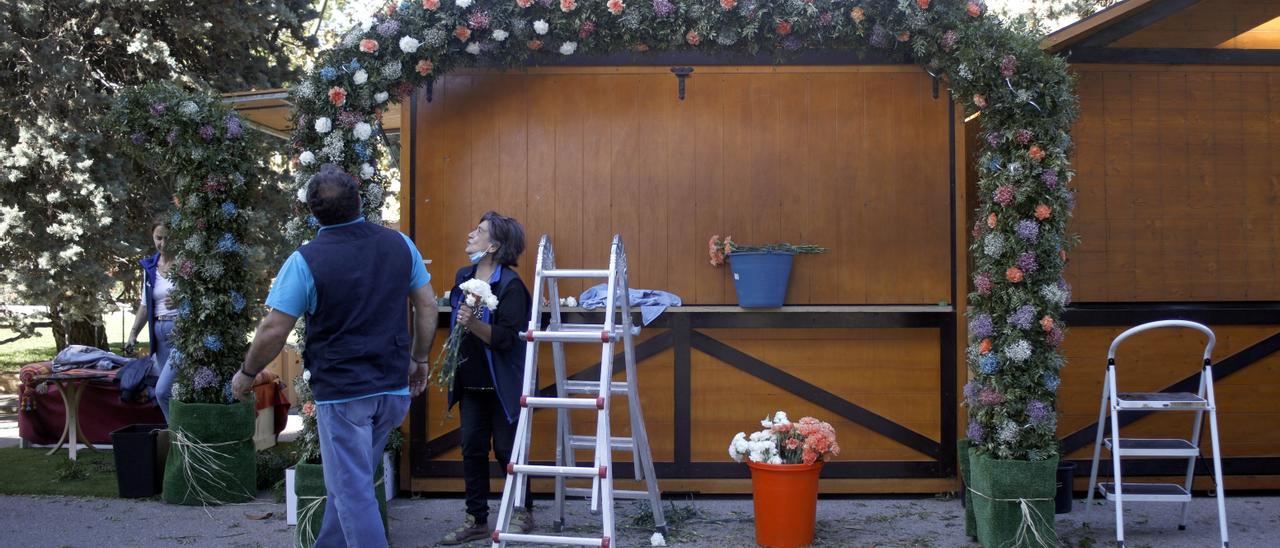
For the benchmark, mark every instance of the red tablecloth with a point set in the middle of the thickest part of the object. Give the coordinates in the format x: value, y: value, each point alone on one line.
x: 41, y: 416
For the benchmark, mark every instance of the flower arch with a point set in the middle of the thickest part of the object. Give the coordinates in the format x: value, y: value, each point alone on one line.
x: 1026, y: 98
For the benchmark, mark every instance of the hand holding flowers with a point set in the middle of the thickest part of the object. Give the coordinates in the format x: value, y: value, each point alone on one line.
x: 476, y: 294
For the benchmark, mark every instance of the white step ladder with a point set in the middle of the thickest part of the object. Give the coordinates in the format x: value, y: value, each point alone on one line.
x: 617, y: 328
x: 1119, y: 402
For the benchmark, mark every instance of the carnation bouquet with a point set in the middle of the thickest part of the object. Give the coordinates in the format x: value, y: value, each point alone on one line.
x: 719, y: 248
x: 476, y: 293
x: 784, y: 442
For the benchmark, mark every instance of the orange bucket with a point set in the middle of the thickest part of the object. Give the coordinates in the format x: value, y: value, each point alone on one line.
x: 786, y: 503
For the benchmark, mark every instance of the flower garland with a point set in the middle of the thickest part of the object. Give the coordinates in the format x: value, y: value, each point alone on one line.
x: 1026, y: 98
x: 216, y: 164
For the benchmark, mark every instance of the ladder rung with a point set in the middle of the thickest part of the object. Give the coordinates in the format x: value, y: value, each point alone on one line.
x: 589, y: 442
x: 1141, y: 447
x: 1146, y: 492
x: 557, y: 471
x: 595, y: 328
x: 575, y: 273
x: 1168, y: 401
x: 499, y: 536
x: 596, y: 337
x: 585, y: 492
x: 561, y: 403
x: 619, y: 388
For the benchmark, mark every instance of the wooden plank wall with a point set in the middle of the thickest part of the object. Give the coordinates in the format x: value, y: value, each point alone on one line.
x: 1229, y: 24
x: 852, y: 158
x: 1177, y: 172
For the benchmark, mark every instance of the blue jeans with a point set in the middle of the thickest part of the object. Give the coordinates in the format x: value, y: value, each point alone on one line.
x: 353, y: 436
x: 161, y: 349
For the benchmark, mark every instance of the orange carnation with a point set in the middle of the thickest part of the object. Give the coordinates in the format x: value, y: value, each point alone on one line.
x: 431, y: 5
x: 783, y: 28
x: 534, y: 44
x: 728, y: 4
x: 858, y: 14
x: 368, y: 45
x: 1036, y: 153
x: 463, y: 33
x: 1043, y: 212
x: 974, y: 9
x: 337, y: 96
x: 424, y: 67
x: 1014, y: 274
x: 904, y: 36
x: 924, y: 4
x: 692, y: 38
x: 1046, y: 323
x: 991, y: 220
x: 524, y: 3
x: 984, y: 346
x: 979, y: 100
x: 615, y: 6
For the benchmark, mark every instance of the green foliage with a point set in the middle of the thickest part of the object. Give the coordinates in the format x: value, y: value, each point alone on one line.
x: 74, y: 213
x: 217, y: 166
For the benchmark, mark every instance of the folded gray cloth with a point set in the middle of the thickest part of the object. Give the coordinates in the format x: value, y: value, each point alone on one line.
x: 652, y: 302
x: 78, y: 356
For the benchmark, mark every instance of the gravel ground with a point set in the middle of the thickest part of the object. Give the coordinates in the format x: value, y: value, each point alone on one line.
x: 62, y: 521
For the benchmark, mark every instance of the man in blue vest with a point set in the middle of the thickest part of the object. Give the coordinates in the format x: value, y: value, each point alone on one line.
x: 352, y: 282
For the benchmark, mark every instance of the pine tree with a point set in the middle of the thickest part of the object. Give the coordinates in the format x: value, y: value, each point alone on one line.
x: 74, y: 213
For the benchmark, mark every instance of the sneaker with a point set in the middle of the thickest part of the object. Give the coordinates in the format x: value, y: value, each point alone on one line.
x: 521, y: 521
x: 468, y: 532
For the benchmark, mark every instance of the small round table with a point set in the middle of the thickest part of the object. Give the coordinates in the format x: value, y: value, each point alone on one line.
x: 71, y: 387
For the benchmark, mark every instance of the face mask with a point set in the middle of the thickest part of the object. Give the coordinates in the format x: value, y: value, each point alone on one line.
x: 475, y: 257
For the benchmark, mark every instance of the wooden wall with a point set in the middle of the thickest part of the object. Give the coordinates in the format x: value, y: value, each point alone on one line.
x: 852, y: 158
x: 1177, y: 170
x: 1229, y: 24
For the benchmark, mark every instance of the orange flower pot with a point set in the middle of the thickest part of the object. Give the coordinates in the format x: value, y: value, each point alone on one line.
x: 786, y: 503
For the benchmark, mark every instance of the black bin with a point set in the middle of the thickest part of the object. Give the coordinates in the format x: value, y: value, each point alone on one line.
x: 1066, y: 481
x: 139, y: 459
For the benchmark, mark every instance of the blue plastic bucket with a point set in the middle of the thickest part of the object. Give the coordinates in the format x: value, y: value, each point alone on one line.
x: 761, y: 277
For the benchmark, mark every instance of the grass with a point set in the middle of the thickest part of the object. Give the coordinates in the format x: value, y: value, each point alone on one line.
x: 31, y: 472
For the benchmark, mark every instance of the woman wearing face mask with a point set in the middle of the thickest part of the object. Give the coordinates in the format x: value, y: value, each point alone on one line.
x: 487, y: 383
x: 157, y: 309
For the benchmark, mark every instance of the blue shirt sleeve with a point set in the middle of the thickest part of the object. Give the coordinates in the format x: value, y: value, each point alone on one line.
x: 294, y: 290
x: 419, y: 276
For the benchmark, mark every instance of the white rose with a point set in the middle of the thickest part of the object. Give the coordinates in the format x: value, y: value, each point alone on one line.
x: 366, y: 171
x: 473, y: 48
x: 571, y: 302
x: 409, y: 44
x: 381, y: 96
x: 302, y: 194
x: 499, y: 35
x: 323, y: 124
x: 464, y: 4
x: 568, y: 48
x: 362, y: 131
x: 541, y: 27
x: 307, y: 158
x: 360, y: 77
x: 306, y: 375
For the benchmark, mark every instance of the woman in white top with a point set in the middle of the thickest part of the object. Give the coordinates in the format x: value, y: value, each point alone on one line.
x: 159, y: 308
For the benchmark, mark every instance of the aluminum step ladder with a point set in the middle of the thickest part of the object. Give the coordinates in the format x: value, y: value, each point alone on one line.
x: 1201, y: 403
x: 594, y: 395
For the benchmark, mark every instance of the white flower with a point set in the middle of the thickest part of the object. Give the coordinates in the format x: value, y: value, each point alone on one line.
x: 362, y: 131
x: 473, y: 48
x: 306, y: 375
x: 381, y: 96
x: 307, y: 158
x: 464, y: 4
x: 541, y: 27
x: 571, y: 302
x: 775, y: 459
x: 780, y: 418
x: 481, y: 290
x: 366, y: 171
x: 568, y: 48
x: 323, y: 124
x: 739, y: 447
x: 360, y: 77
x: 302, y: 194
x: 657, y: 540
x: 409, y: 44
x: 499, y: 35
x: 366, y: 25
